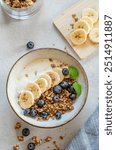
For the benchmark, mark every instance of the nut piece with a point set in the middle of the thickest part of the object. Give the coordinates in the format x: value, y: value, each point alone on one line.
x: 20, y: 138
x: 36, y: 140
x: 18, y: 126
x: 48, y: 139
x: 16, y: 147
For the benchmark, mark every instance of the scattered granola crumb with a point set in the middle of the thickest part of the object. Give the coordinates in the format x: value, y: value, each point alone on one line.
x: 48, y: 139
x: 16, y: 147
x: 56, y: 146
x: 36, y: 140
x: 26, y: 75
x: 18, y: 126
x: 20, y: 138
x: 35, y: 73
x: 74, y: 16
x: 72, y: 25
x: 61, y: 137
x: 50, y: 59
x: 53, y: 65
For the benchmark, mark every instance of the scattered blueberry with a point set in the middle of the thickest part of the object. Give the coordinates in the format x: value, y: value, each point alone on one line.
x: 30, y: 45
x: 33, y: 112
x: 31, y: 146
x: 56, y: 98
x: 64, y: 84
x: 72, y: 96
x: 71, y: 89
x: 58, y: 115
x: 40, y: 103
x: 25, y: 132
x: 44, y: 114
x: 65, y: 71
x: 57, y: 89
x: 26, y: 112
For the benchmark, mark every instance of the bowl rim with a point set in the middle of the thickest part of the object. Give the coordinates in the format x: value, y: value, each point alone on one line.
x: 56, y: 49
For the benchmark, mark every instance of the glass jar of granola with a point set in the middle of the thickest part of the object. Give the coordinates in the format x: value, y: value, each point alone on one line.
x: 21, y: 9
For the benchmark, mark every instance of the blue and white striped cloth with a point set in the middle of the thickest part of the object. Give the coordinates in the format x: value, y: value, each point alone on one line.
x: 88, y: 137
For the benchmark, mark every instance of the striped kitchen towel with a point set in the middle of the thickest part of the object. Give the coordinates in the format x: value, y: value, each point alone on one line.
x: 88, y: 137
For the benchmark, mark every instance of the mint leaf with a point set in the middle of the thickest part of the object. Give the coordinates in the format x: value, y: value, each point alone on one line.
x: 77, y: 87
x: 73, y: 72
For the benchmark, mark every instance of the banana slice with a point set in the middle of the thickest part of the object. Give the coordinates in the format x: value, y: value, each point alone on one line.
x: 54, y: 77
x: 47, y: 77
x: 91, y: 13
x: 78, y: 37
x: 59, y: 71
x: 82, y: 24
x: 43, y: 84
x: 26, y: 99
x: 94, y: 35
x: 89, y: 21
x: 35, y: 89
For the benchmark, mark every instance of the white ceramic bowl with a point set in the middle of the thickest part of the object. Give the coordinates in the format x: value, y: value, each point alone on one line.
x: 26, y: 59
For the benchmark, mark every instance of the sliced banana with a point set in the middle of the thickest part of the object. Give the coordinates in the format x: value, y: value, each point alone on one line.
x: 94, y: 35
x: 43, y: 84
x: 54, y: 77
x: 91, y: 13
x: 35, y: 89
x: 89, y: 21
x: 78, y: 37
x: 59, y: 71
x: 47, y: 77
x: 26, y: 99
x: 82, y: 24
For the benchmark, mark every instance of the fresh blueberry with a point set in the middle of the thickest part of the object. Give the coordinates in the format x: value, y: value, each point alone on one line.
x: 65, y: 71
x: 58, y: 115
x: 33, y: 112
x: 31, y: 146
x: 64, y: 84
x: 30, y: 45
x: 44, y: 114
x: 25, y: 132
x: 71, y: 89
x: 57, y: 89
x: 26, y: 112
x: 56, y: 98
x: 40, y: 103
x: 72, y: 96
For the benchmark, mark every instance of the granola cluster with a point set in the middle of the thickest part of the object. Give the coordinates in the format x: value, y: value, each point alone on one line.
x: 64, y: 105
x: 20, y: 3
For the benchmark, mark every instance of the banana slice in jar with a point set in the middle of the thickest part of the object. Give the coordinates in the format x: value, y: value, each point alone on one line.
x: 78, y: 37
x: 35, y: 89
x: 26, y: 99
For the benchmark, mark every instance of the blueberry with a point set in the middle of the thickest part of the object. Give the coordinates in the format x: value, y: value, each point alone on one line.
x: 26, y: 112
x: 65, y: 71
x: 44, y: 114
x: 64, y: 84
x: 71, y: 89
x: 58, y: 115
x: 72, y: 96
x: 57, y: 89
x: 31, y: 146
x: 30, y: 45
x: 33, y: 112
x: 56, y: 98
x: 40, y: 103
x: 25, y: 132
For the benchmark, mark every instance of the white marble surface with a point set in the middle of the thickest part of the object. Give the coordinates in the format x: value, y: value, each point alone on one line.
x: 13, y: 37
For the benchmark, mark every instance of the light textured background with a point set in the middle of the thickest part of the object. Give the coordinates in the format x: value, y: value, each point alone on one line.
x: 13, y: 37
